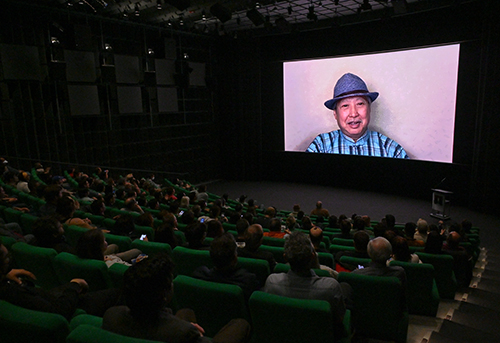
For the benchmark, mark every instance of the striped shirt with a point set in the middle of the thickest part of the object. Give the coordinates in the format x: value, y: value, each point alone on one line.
x: 371, y: 144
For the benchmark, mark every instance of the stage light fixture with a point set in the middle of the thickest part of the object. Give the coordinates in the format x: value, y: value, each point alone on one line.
x: 311, y: 15
x: 136, y: 10
x: 366, y: 6
x: 158, y: 4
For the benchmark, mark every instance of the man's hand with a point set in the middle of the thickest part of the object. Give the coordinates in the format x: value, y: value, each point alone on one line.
x: 16, y: 274
x: 200, y: 329
x: 83, y: 284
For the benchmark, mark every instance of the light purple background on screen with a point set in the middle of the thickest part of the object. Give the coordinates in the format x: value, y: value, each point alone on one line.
x: 416, y: 105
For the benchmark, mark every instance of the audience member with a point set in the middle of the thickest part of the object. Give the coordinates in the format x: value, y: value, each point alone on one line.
x: 401, y: 251
x: 265, y: 221
x: 241, y: 226
x: 16, y: 287
x: 147, y: 292
x: 462, y: 260
x: 195, y: 236
x: 223, y: 252
x: 92, y: 245
x: 253, y: 240
x: 65, y: 210
x: 410, y: 228
x: 49, y: 233
x: 214, y: 229
x: 320, y: 211
x: 303, y: 283
x: 275, y: 229
x: 422, y: 230
x: 361, y: 239
x: 316, y: 237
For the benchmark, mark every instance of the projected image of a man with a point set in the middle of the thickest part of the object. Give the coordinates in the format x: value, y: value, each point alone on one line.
x: 351, y: 105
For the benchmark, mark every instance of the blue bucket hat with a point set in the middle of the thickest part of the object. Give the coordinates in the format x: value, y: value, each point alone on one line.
x: 347, y: 86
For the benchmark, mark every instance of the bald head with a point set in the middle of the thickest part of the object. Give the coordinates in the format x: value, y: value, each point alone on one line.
x: 319, y: 205
x: 253, y: 237
x: 379, y: 249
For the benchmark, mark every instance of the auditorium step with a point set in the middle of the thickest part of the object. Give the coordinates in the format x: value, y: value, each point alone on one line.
x: 457, y: 332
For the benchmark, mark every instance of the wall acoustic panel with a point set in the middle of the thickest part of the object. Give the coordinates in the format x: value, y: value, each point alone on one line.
x: 165, y: 70
x: 83, y: 100
x: 80, y: 66
x: 167, y: 99
x: 127, y: 69
x: 20, y: 62
x: 129, y: 99
x: 197, y: 76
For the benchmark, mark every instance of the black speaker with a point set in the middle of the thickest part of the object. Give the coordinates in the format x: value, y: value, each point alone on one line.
x: 221, y: 12
x: 255, y: 16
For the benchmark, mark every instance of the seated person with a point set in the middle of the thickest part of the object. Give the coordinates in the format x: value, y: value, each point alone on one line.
x: 253, y: 240
x: 92, y: 245
x: 16, y: 288
x: 361, y: 239
x: 147, y: 292
x: 275, y: 229
x: 241, y: 226
x: 380, y: 250
x: 214, y: 229
x: 195, y: 236
x: 316, y: 237
x: 401, y: 251
x: 462, y: 265
x: 410, y: 229
x: 302, y: 282
x: 224, y: 256
x: 49, y: 233
x: 65, y: 210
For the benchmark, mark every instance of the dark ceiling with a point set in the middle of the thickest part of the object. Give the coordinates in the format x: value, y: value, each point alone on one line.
x: 237, y: 16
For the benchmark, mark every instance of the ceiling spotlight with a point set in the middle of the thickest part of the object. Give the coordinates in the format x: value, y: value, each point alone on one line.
x: 158, y: 4
x: 151, y: 51
x: 311, y: 15
x: 136, y: 11
x: 257, y: 5
x: 181, y: 22
x: 186, y: 56
x: 54, y: 40
x: 203, y: 15
x: 108, y: 47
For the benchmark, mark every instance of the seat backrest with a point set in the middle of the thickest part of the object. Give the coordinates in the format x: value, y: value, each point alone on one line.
x: 326, y: 259
x: 256, y: 266
x: 123, y: 242
x: 443, y: 273
x: 215, y: 304
x: 73, y: 234
x: 151, y: 248
x: 355, y: 261
x: 21, y: 325
x: 145, y: 230
x: 276, y: 242
x: 90, y: 334
x: 284, y: 268
x: 282, y: 319
x: 343, y: 241
x: 335, y: 248
x: 68, y: 267
x: 422, y: 293
x: 39, y: 261
x: 187, y: 260
x: 378, y: 311
x: 11, y: 215
x: 26, y: 221
x: 276, y: 251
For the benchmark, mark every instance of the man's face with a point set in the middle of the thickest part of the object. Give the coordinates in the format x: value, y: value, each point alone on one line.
x: 353, y: 116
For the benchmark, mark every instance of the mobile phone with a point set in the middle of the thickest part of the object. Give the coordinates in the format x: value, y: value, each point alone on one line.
x: 360, y: 266
x: 202, y: 220
x: 143, y: 237
x: 181, y: 213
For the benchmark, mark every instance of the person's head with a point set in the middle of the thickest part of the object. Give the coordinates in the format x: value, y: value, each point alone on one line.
x: 215, y: 211
x: 253, y: 237
x: 358, y: 224
x: 223, y: 252
x: 97, y: 207
x: 148, y: 287
x: 23, y: 176
x: 66, y: 206
x: 214, y: 229
x: 153, y: 204
x: 91, y: 245
x: 453, y: 240
x: 379, y: 249
x: 434, y: 243
x: 109, y: 199
x: 248, y: 216
x: 361, y: 239
x: 296, y: 208
x: 196, y: 210
x: 345, y: 227
x: 299, y: 251
x: 319, y: 205
x: 290, y: 222
x: 187, y: 217
x: 307, y: 223
x: 195, y: 234
x: 124, y: 225
x: 47, y: 231
x: 275, y: 225
x: 410, y: 229
x: 270, y: 212
x: 316, y: 236
x: 351, y: 105
x: 400, y: 249
x: 170, y: 218
x: 145, y: 219
x: 367, y: 220
x: 422, y: 226
x: 51, y: 193
x: 165, y: 234
x: 390, y: 221
x: 184, y: 202
x: 241, y: 225
x: 333, y: 221
x: 131, y: 204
